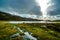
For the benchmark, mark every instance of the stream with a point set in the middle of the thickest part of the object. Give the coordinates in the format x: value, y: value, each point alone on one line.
x: 26, y: 35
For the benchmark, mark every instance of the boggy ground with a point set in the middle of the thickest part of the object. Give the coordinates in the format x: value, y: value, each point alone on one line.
x: 40, y: 31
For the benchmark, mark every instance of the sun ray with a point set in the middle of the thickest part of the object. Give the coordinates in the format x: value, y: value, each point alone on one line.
x: 44, y: 4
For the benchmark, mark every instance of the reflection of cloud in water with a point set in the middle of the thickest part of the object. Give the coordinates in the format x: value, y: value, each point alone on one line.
x: 26, y: 35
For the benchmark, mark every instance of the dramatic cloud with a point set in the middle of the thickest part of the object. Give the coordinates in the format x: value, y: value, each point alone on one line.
x: 55, y: 8
x: 29, y: 8
x: 20, y: 6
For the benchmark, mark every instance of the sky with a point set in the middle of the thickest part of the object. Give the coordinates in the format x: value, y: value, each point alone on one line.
x: 30, y: 8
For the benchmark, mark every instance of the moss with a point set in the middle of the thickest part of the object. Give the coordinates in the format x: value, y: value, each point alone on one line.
x: 6, y: 30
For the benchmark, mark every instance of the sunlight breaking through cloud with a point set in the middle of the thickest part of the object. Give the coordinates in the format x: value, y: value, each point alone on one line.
x: 44, y: 4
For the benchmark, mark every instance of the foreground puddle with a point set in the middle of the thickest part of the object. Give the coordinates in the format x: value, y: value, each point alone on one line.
x: 24, y: 35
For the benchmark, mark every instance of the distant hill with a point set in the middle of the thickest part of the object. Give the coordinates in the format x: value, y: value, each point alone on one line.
x: 8, y: 17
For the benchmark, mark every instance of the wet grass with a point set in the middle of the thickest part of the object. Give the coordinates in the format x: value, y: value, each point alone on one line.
x: 41, y: 33
x: 6, y: 30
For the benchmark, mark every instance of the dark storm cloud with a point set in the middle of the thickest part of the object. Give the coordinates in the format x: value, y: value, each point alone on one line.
x: 36, y: 10
x: 20, y: 6
x: 55, y: 8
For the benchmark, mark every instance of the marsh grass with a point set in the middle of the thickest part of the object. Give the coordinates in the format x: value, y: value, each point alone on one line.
x: 6, y: 30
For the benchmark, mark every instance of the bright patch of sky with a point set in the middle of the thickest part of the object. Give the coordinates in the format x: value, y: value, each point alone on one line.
x: 30, y: 8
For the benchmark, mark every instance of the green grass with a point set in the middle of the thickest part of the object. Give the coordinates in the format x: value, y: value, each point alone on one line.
x: 41, y: 33
x: 6, y: 30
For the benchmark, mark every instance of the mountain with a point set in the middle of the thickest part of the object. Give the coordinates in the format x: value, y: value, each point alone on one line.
x: 8, y: 17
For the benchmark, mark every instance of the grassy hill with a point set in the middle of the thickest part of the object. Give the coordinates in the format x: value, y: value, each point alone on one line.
x: 8, y: 17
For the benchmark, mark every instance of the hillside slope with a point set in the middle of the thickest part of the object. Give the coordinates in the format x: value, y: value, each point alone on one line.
x: 8, y: 17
